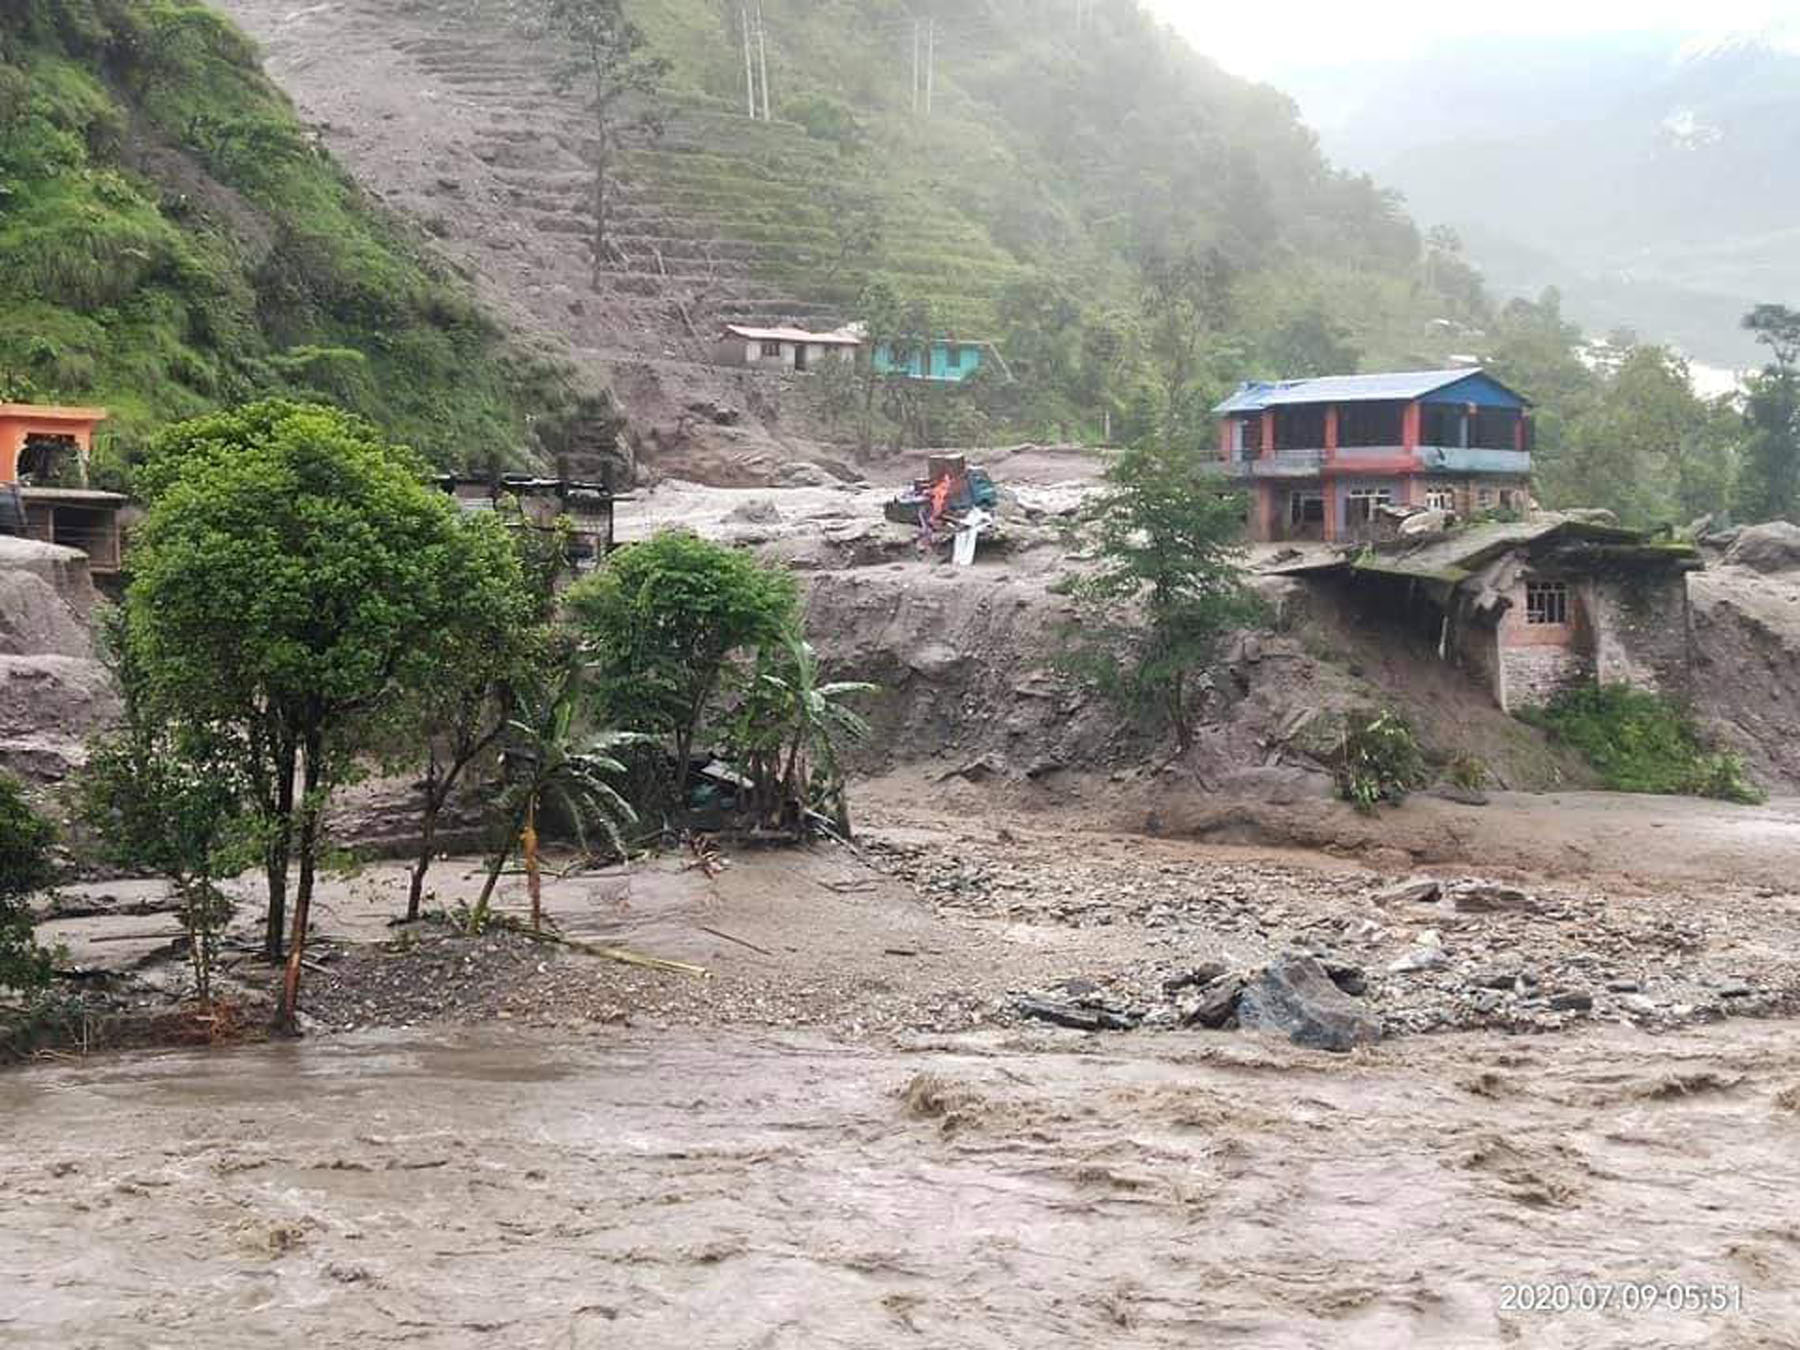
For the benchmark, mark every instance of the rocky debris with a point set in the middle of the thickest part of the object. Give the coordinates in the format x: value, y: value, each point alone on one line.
x: 1295, y: 996
x: 1774, y: 547
x: 1418, y: 891
x: 1082, y: 1015
x: 1197, y: 978
x: 1487, y: 897
x: 1429, y: 953
x: 1217, y: 1006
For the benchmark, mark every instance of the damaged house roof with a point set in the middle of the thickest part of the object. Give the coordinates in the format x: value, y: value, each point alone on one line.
x: 1453, y: 557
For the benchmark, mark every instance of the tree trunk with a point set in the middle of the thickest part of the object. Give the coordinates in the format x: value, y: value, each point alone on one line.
x: 275, y: 851
x: 427, y: 835
x: 286, y: 1014
x: 528, y: 846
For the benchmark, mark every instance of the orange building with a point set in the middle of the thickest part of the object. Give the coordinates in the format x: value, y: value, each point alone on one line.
x: 44, y: 457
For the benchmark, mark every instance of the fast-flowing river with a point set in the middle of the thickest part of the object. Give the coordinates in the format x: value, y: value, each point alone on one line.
x: 634, y: 1188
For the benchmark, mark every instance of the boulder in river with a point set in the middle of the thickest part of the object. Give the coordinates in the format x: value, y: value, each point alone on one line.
x: 1296, y: 996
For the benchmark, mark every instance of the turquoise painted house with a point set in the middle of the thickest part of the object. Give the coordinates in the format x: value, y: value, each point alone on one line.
x: 951, y: 360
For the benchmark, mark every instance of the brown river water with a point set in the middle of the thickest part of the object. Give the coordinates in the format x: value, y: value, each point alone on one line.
x: 662, y: 1188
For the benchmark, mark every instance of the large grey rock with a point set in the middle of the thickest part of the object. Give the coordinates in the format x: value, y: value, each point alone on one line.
x: 1774, y: 547
x: 1295, y: 996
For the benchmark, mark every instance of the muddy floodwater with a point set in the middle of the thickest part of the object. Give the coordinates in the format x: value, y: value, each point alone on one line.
x: 663, y: 1188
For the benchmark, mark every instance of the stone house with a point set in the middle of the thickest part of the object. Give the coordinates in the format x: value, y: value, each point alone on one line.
x: 783, y: 348
x: 1532, y: 608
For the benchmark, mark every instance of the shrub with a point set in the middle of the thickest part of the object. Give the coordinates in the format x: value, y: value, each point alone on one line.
x: 1469, y: 772
x: 1380, y: 760
x: 1641, y: 742
x: 25, y: 867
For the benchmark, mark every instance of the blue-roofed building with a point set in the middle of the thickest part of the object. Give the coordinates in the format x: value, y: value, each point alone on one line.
x: 1322, y: 456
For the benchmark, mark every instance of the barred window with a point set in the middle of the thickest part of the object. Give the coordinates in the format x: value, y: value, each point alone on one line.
x: 1546, y: 602
x: 1440, y: 499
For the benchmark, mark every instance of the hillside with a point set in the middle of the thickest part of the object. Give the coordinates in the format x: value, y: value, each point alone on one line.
x: 1656, y: 169
x: 1052, y: 170
x: 172, y: 239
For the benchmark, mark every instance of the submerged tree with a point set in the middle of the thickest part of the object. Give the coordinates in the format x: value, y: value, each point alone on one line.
x: 609, y: 59
x: 293, y: 575
x: 1168, y: 584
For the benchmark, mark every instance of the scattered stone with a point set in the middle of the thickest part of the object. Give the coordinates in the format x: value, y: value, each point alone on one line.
x: 1574, y: 1000
x: 1418, y: 891
x: 1295, y: 995
x: 1197, y: 978
x: 1505, y: 979
x: 1735, y: 989
x: 1074, y: 1016
x: 1218, y: 1005
x: 1623, y: 987
x: 1489, y: 897
x: 1347, y: 977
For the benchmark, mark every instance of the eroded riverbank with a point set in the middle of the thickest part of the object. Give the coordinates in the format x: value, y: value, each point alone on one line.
x: 636, y: 1188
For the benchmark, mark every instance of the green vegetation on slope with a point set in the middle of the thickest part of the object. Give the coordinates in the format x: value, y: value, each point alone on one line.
x: 172, y: 241
x: 1642, y: 743
x: 1056, y: 170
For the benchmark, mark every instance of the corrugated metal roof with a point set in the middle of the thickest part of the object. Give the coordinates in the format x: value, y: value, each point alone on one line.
x: 840, y: 338
x: 1255, y: 395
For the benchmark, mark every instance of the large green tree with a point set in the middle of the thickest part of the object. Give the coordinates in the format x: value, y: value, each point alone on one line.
x: 1770, y: 485
x: 1168, y: 581
x: 292, y: 577
x: 662, y: 620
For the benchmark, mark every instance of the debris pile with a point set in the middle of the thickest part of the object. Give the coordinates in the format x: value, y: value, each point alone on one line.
x: 1337, y: 959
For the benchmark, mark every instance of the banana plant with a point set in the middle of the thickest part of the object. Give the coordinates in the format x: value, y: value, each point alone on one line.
x: 549, y: 762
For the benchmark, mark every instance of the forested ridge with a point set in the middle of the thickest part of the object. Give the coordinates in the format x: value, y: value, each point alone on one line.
x: 173, y: 240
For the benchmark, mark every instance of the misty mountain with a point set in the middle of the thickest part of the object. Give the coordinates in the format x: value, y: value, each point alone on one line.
x: 1649, y: 177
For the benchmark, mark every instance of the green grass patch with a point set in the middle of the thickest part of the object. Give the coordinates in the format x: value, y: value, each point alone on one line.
x: 1640, y: 742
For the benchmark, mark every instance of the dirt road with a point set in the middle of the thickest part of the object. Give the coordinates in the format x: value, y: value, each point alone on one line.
x: 631, y: 1189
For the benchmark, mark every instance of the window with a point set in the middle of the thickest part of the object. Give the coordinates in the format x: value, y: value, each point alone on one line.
x: 1484, y: 499
x: 1509, y: 499
x: 1440, y: 499
x: 1546, y: 602
x: 1300, y: 428
x: 771, y: 348
x: 1306, y: 508
x: 1363, y: 501
x: 1371, y: 424
x: 1442, y: 424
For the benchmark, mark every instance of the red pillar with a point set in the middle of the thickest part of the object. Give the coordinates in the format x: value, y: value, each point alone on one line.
x: 1263, y: 528
x: 1519, y: 433
x: 1268, y: 433
x: 1331, y: 432
x: 1227, y: 427
x: 1409, y: 429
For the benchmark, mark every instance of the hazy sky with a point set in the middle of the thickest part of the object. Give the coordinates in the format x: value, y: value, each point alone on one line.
x: 1258, y: 39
